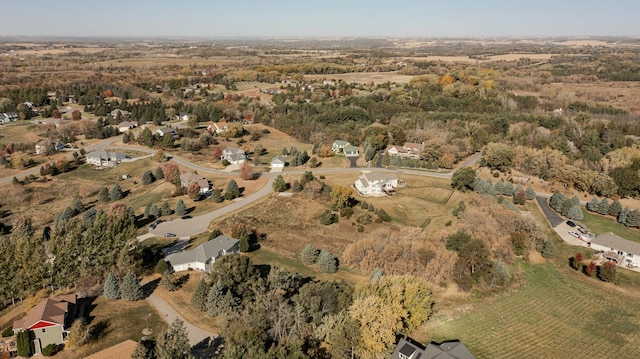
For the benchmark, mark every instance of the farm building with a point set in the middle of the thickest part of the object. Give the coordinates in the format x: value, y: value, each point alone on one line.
x: 201, y: 257
x: 618, y: 249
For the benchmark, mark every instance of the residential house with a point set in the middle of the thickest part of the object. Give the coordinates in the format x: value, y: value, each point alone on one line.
x: 339, y: 145
x: 217, y: 127
x: 350, y: 150
x: 123, y: 113
x: 234, y: 155
x: 618, y: 249
x: 203, y: 256
x: 394, y: 150
x: 52, y: 121
x: 105, y: 158
x: 122, y: 350
x: 127, y: 125
x: 9, y: 117
x: 182, y: 116
x: 278, y: 161
x: 376, y: 183
x: 410, y: 349
x: 166, y: 131
x: 48, y: 146
x: 409, y: 149
x: 189, y: 177
x: 49, y: 321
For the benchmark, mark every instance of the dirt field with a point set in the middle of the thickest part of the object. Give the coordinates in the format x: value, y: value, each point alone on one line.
x: 366, y: 77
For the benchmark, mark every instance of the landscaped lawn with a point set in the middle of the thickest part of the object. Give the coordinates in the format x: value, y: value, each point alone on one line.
x: 555, y: 315
x: 599, y: 224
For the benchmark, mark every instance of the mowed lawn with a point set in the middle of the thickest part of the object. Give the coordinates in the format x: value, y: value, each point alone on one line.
x: 554, y: 316
x: 599, y: 224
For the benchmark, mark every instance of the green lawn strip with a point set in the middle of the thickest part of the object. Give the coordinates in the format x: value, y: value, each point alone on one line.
x: 602, y: 224
x: 552, y: 316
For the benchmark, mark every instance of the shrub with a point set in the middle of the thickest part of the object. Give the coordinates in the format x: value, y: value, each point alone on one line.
x: 162, y: 267
x: 23, y: 344
x: 346, y: 212
x: 225, y: 163
x: 360, y: 228
x: 49, y: 350
x: 608, y: 272
x: 327, y: 217
x: 549, y: 249
x: 327, y: 263
x: 7, y: 332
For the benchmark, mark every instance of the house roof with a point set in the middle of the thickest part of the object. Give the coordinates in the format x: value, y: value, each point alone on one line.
x: 413, y: 146
x: 189, y: 177
x: 407, y: 348
x: 378, y: 176
x: 341, y: 143
x: 616, y: 242
x: 350, y: 148
x: 50, y: 310
x: 278, y: 159
x: 106, y: 155
x: 210, y: 249
x: 452, y: 349
x: 122, y: 350
x: 47, y: 142
x: 233, y: 149
x: 166, y: 130
x: 129, y: 124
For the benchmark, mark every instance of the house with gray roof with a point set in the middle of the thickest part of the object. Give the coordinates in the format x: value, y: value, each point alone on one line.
x: 350, y: 150
x: 410, y: 349
x: 189, y: 177
x: 203, y: 256
x: 8, y: 117
x: 105, y: 158
x: 622, y: 251
x: 339, y: 145
x: 376, y: 183
x: 278, y: 161
x: 234, y: 155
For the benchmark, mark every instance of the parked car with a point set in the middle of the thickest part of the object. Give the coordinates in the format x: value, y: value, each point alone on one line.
x: 186, y: 216
x: 574, y: 234
x: 152, y: 226
x: 169, y: 235
x: 571, y: 224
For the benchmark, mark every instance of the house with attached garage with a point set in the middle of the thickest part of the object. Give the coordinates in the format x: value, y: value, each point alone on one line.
x: 278, y: 161
x: 203, y: 256
x: 48, y: 146
x: 350, y: 150
x: 339, y: 145
x: 217, y: 127
x: 105, y: 158
x: 166, y: 131
x: 410, y: 349
x: 617, y: 249
x: 376, y: 183
x: 49, y: 321
x: 125, y: 126
x: 234, y: 155
x: 189, y: 177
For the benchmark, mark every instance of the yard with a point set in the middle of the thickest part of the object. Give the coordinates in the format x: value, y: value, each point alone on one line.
x: 602, y: 224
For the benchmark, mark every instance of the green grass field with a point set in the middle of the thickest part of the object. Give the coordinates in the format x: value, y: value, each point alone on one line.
x: 555, y: 315
x: 602, y: 224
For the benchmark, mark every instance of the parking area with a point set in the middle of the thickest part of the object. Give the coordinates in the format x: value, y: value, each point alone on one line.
x: 563, y: 230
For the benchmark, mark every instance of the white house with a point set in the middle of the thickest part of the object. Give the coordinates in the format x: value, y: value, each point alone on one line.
x: 48, y: 146
x: 339, y: 145
x: 234, y: 155
x: 217, y: 127
x: 201, y: 257
x: 123, y: 113
x: 105, y: 158
x: 622, y: 251
x: 126, y: 126
x: 278, y: 161
x: 166, y: 131
x: 8, y: 117
x: 376, y: 183
x: 408, y: 149
x: 188, y: 177
x: 182, y: 116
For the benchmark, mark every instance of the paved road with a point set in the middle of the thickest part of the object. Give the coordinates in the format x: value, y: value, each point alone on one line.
x: 168, y: 314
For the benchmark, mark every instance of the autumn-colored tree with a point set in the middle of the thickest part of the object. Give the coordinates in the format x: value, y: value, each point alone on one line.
x: 341, y: 196
x: 591, y: 269
x: 217, y: 153
x: 193, y: 191
x: 576, y: 261
x: 171, y: 172
x: 325, y: 151
x: 608, y: 272
x: 159, y: 156
x: 118, y: 209
x: 446, y: 161
x: 76, y: 115
x: 107, y: 93
x: 379, y: 324
x: 246, y: 172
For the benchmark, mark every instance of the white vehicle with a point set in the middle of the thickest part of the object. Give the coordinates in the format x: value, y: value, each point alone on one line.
x: 574, y: 234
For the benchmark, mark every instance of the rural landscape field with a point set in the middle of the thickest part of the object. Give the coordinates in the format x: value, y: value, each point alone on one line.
x: 190, y: 188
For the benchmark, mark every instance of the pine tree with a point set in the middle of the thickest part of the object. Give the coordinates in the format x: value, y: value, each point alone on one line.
x: 530, y: 193
x: 622, y: 216
x: 147, y: 177
x: 154, y: 211
x: 141, y: 351
x: 168, y: 280
x: 243, y: 246
x: 77, y: 205
x: 508, y: 189
x: 104, y: 195
x: 214, y: 300
x: 575, y: 213
x: 593, y: 204
x: 284, y: 152
x: 575, y: 200
x: 615, y: 208
x: 566, y: 206
x: 498, y: 188
x: 199, y: 297
x: 309, y: 255
x: 23, y: 344
x: 216, y: 197
x: 181, y: 209
x: 111, y: 288
x: 147, y: 210
x: 116, y: 193
x: 162, y: 266
x: 603, y: 207
x: 327, y: 263
x: 633, y: 219
x: 279, y: 185
x: 376, y: 275
x: 159, y: 173
x: 174, y: 342
x: 215, y: 233
x: 165, y: 210
x: 232, y: 190
x: 130, y: 289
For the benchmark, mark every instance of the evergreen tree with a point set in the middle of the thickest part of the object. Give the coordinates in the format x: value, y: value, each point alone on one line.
x: 168, y: 280
x: 159, y: 173
x: 633, y: 219
x: 116, y: 193
x: 615, y: 208
x: 214, y: 300
x: 575, y: 200
x: 309, y: 255
x: 199, y: 297
x: 141, y: 351
x: 174, y: 342
x: 23, y: 344
x: 243, y: 246
x: 327, y: 263
x: 111, y: 288
x: 603, y: 207
x: 566, y: 206
x: 147, y: 177
x: 162, y: 266
x: 508, y: 189
x: 77, y: 205
x: 131, y: 289
x: 498, y: 188
x: 530, y: 193
x: 216, y: 197
x: 293, y: 151
x: 549, y: 249
x: 622, y: 216
x: 376, y: 274
x: 279, y: 185
x: 232, y: 190
x: 215, y: 233
x: 284, y: 152
x: 165, y: 210
x: 104, y: 195
x: 593, y: 204
x: 154, y: 211
x: 575, y: 213
x: 147, y: 210
x: 557, y: 201
x: 181, y: 209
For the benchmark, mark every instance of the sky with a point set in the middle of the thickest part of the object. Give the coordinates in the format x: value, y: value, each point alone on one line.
x: 319, y: 18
